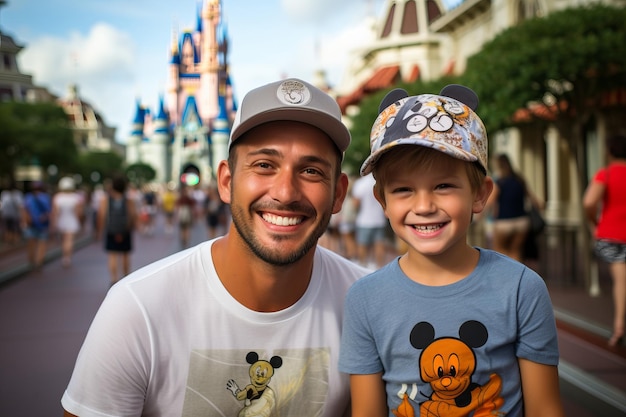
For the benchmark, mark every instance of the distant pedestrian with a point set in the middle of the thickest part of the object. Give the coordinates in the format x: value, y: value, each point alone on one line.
x: 371, y: 224
x: 606, y: 196
x: 347, y: 224
x: 36, y: 223
x: 185, y: 213
x: 116, y: 220
x: 215, y: 212
x: 11, y: 202
x: 508, y: 204
x: 67, y: 211
x: 168, y: 205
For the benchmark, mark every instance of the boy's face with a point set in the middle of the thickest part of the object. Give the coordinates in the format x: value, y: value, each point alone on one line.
x: 282, y: 189
x: 431, y: 208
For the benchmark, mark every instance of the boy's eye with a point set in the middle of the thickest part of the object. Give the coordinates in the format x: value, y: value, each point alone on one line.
x: 400, y: 190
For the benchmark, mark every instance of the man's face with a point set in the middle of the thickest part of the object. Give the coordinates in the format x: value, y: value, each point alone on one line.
x: 282, y: 189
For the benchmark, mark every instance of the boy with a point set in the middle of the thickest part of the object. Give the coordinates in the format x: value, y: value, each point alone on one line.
x: 445, y: 329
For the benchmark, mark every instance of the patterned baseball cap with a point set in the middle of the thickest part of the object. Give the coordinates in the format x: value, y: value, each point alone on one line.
x: 294, y: 100
x: 445, y: 122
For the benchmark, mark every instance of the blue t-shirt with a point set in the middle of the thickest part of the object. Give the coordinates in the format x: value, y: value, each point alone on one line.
x: 453, y: 346
x: 38, y: 206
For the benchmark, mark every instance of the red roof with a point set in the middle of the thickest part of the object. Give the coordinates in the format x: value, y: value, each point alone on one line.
x: 381, y: 79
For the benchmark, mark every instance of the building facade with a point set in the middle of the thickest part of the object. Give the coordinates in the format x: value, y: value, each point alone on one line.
x: 189, y: 130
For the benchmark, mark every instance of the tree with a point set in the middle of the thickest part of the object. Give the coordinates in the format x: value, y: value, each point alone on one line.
x: 105, y: 164
x: 562, y: 65
x: 561, y: 69
x: 35, y: 132
x: 140, y: 173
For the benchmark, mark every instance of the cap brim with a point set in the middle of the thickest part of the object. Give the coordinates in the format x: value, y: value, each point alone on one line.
x: 325, y: 122
x: 441, y: 146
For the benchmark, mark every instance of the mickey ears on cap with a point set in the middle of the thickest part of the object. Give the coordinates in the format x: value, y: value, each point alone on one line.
x: 391, y: 97
x: 456, y: 91
x: 461, y: 93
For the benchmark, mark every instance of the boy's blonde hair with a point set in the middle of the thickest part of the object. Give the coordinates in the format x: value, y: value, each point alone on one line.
x: 410, y: 157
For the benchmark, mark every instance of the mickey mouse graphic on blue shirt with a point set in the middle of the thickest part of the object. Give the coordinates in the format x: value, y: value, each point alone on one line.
x: 447, y: 364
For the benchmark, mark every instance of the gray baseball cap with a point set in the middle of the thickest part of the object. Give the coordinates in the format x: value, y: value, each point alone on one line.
x: 294, y: 100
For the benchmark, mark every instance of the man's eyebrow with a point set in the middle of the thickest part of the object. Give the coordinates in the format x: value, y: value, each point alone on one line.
x: 265, y: 151
x: 314, y: 159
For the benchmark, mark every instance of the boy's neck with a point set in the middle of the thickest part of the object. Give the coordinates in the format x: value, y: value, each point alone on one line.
x: 440, y: 270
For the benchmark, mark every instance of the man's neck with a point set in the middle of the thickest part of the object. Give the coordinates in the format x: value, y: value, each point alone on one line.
x: 253, y: 282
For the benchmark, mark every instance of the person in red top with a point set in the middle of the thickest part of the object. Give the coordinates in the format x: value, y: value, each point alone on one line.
x: 606, y: 194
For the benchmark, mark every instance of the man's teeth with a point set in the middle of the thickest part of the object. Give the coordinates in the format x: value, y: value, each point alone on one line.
x: 428, y: 228
x: 281, y: 221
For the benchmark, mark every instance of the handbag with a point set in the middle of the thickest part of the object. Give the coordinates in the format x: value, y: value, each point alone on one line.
x: 537, y: 222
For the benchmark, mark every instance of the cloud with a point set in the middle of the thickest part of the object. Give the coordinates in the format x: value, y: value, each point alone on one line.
x: 103, y: 55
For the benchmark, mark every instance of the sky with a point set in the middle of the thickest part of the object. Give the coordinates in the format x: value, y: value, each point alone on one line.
x: 117, y: 51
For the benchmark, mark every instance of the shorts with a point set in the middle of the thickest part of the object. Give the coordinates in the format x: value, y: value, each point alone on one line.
x: 118, y: 242
x: 12, y: 224
x: 36, y: 233
x: 511, y: 226
x: 611, y: 251
x: 370, y: 235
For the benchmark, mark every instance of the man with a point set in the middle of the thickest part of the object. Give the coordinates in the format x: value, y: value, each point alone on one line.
x: 247, y: 324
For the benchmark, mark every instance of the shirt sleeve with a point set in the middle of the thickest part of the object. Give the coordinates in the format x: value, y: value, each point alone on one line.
x: 537, y: 339
x: 112, y: 371
x: 358, y: 353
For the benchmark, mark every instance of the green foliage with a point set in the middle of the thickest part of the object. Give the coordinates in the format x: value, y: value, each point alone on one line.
x: 140, y: 173
x: 106, y: 164
x: 571, y: 57
x: 35, y: 133
x: 368, y: 112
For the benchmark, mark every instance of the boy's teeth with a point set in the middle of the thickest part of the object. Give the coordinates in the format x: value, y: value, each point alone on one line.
x: 429, y: 228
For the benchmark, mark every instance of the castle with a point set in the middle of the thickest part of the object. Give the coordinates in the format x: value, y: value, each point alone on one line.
x: 189, y: 131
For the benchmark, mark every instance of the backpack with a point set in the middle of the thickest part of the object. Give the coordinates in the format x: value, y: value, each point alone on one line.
x: 118, y: 221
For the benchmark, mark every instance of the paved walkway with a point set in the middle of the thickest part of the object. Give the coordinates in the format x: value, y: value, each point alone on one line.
x: 44, y: 316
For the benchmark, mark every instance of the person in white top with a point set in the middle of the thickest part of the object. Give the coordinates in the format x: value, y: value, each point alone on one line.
x: 67, y: 209
x: 371, y: 224
x: 249, y: 323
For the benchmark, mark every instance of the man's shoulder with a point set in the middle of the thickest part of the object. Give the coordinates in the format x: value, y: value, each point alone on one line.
x: 334, y: 260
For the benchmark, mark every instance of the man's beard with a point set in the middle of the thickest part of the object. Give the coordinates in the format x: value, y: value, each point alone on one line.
x: 271, y: 255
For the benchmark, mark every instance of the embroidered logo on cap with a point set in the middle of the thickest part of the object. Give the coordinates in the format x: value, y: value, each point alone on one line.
x: 293, y: 93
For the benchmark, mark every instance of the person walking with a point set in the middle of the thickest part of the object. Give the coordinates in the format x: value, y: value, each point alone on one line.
x: 185, y: 214
x: 11, y: 203
x: 371, y: 224
x: 604, y: 203
x: 508, y: 205
x: 67, y: 210
x: 247, y: 323
x: 36, y: 213
x: 117, y: 218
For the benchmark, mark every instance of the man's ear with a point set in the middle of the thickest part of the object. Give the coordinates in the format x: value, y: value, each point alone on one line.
x: 224, y: 181
x: 341, y: 189
x: 482, y: 196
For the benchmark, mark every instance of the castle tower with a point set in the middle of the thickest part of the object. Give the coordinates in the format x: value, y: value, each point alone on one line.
x: 133, y: 143
x: 190, y: 130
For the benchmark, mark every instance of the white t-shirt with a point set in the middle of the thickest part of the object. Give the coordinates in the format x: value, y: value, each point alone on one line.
x: 169, y: 340
x: 370, y: 213
x: 66, y: 204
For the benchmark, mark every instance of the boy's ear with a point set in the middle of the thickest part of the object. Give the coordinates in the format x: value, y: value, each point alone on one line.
x: 379, y: 198
x: 482, y: 196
